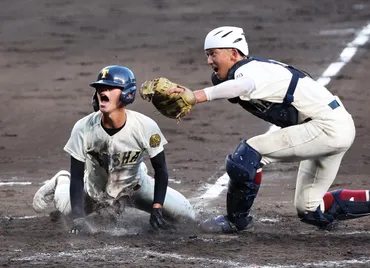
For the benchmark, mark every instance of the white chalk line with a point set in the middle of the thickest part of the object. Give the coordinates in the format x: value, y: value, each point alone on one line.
x: 140, y: 253
x: 20, y: 183
x: 20, y: 217
x: 174, y: 181
x: 361, y: 38
x: 215, y: 189
x: 10, y: 183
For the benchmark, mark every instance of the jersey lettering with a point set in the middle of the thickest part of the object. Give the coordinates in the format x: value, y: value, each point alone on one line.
x: 134, y: 157
x: 102, y: 159
x: 125, y: 157
x: 116, y: 161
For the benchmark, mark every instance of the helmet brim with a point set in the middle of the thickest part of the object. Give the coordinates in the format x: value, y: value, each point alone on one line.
x: 106, y: 83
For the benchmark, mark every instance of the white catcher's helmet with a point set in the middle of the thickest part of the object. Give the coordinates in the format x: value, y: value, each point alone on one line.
x: 227, y: 37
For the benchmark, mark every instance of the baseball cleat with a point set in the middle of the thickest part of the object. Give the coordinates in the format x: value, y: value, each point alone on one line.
x: 330, y: 227
x: 219, y: 224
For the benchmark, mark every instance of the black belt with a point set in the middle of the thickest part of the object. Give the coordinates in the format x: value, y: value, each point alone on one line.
x: 333, y: 105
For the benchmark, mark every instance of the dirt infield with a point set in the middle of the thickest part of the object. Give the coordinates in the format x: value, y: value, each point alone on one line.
x: 51, y: 50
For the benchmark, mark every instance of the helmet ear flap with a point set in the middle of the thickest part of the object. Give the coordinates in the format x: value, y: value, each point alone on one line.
x: 95, y: 102
x: 128, y: 95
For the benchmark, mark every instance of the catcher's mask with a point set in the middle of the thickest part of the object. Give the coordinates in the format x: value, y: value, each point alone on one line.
x: 119, y: 77
x: 227, y: 37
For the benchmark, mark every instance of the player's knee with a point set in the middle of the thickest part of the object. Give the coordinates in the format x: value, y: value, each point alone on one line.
x: 62, y: 199
x: 44, y: 197
x: 253, y: 141
x: 242, y: 165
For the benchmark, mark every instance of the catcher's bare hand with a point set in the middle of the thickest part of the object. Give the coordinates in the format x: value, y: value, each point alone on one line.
x: 176, y: 90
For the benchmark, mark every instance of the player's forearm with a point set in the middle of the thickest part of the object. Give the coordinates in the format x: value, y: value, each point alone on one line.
x: 161, y: 179
x: 200, y: 96
x: 76, y: 189
x: 227, y: 90
x: 160, y: 190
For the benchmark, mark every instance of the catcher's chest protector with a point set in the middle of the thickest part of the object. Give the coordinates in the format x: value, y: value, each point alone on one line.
x: 280, y: 114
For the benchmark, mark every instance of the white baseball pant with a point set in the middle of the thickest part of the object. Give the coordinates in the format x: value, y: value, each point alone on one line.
x: 320, y: 146
x: 56, y: 191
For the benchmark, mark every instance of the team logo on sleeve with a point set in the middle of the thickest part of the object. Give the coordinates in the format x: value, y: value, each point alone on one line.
x: 155, y: 140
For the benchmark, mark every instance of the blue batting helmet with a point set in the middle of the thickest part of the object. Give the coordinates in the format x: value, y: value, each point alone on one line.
x: 118, y: 77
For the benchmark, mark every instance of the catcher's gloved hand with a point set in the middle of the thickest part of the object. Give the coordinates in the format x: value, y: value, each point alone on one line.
x: 79, y: 226
x: 157, y: 221
x: 175, y: 105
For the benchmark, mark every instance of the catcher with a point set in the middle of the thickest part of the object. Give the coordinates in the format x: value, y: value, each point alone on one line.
x: 316, y: 130
x: 107, y: 148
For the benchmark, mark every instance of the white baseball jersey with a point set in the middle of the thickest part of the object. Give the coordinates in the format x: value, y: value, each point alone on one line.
x: 271, y: 82
x: 258, y: 80
x: 112, y: 162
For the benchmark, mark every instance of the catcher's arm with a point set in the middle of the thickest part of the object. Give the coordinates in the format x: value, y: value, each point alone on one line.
x: 176, y: 101
x: 225, y: 90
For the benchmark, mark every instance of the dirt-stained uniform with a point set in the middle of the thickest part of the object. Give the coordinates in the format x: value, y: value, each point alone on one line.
x: 113, y: 167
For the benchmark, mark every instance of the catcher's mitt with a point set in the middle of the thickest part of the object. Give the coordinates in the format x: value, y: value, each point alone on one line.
x: 173, y: 106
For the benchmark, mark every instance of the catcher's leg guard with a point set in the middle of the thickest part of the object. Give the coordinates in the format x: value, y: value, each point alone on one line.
x: 243, y: 187
x: 244, y: 183
x: 347, y: 204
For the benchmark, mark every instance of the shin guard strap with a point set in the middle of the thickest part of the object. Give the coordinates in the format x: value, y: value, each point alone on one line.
x: 347, y: 209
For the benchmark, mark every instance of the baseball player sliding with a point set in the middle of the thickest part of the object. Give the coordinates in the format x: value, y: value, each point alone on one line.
x: 316, y: 130
x: 107, y: 148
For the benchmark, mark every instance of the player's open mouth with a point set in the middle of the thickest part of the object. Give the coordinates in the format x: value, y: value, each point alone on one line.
x: 104, y: 98
x: 215, y: 69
